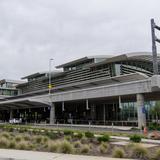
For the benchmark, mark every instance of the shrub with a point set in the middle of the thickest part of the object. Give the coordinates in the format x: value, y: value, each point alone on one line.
x: 118, y: 153
x: 51, y: 135
x: 154, y: 126
x: 22, y: 130
x: 89, y: 134
x: 135, y: 138
x: 157, y: 155
x: 78, y: 135
x: 35, y: 131
x: 53, y: 147
x: 4, y: 143
x: 68, y: 138
x: 23, y: 145
x: 30, y: 130
x: 39, y: 139
x: 84, y: 140
x: 68, y: 132
x: 26, y: 137
x: 139, y: 152
x: 12, y: 144
x: 6, y: 135
x: 45, y: 139
x: 31, y: 146
x: 12, y: 135
x: 135, y: 129
x: 77, y: 144
x: 104, y: 138
x: 10, y: 129
x: 18, y: 138
x: 85, y: 148
x: 66, y: 147
x: 103, y: 148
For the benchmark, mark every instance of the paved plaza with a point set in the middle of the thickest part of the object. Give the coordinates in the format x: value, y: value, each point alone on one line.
x: 7, y: 154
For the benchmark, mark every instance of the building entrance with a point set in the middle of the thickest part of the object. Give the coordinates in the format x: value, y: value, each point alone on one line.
x: 107, y: 112
x: 112, y: 112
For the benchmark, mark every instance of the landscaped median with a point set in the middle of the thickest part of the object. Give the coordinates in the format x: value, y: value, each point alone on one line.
x: 73, y: 142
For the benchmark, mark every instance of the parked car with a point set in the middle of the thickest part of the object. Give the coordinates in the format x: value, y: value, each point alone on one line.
x: 15, y: 121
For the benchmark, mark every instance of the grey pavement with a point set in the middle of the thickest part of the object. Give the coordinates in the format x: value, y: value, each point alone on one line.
x: 8, y: 154
x: 143, y: 140
x: 124, y: 143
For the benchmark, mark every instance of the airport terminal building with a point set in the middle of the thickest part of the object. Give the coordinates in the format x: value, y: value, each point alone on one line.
x: 104, y: 89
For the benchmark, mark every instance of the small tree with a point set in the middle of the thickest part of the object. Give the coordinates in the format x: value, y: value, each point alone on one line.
x: 156, y: 110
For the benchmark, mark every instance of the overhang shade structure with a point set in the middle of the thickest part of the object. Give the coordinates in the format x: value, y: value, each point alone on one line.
x: 141, y: 85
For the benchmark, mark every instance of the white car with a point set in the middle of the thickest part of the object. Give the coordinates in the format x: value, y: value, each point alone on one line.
x: 15, y: 121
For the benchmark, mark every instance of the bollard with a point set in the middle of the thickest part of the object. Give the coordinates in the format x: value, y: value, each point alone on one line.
x: 112, y: 127
x: 89, y: 125
x: 71, y: 122
x: 145, y: 131
x: 57, y: 125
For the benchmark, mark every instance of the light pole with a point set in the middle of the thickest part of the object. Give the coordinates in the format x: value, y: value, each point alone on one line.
x: 52, y: 107
x: 50, y: 75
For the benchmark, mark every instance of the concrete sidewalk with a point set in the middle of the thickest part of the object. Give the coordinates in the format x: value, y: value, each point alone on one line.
x: 8, y: 154
x: 143, y: 140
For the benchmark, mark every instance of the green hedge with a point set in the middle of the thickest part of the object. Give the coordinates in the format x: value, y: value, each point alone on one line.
x: 104, y: 138
x: 154, y: 126
x: 89, y: 134
x: 135, y: 138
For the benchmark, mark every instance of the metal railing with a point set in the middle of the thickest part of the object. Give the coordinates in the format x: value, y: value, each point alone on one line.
x: 97, y: 122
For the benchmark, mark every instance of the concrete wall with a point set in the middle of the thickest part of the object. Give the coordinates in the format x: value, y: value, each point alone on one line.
x: 129, y: 88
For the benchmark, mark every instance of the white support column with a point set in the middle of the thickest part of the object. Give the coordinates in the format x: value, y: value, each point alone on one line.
x: 62, y: 106
x: 120, y: 102
x: 52, y: 113
x: 141, y: 111
x: 93, y: 111
x: 87, y: 106
x: 11, y: 114
x: 120, y: 108
x: 104, y: 113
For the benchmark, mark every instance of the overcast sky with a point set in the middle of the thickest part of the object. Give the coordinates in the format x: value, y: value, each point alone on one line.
x: 33, y: 31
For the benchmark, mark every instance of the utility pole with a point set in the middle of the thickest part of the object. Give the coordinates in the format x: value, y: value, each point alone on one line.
x: 154, y: 48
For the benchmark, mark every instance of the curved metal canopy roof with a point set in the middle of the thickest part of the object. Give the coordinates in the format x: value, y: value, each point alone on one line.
x: 37, y: 74
x: 81, y: 60
x: 139, y: 56
x: 144, y: 56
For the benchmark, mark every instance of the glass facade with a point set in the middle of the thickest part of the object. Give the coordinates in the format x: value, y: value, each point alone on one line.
x: 8, y: 92
x: 128, y: 111
x: 8, y: 88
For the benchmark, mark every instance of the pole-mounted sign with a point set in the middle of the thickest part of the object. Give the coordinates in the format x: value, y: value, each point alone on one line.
x: 154, y: 48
